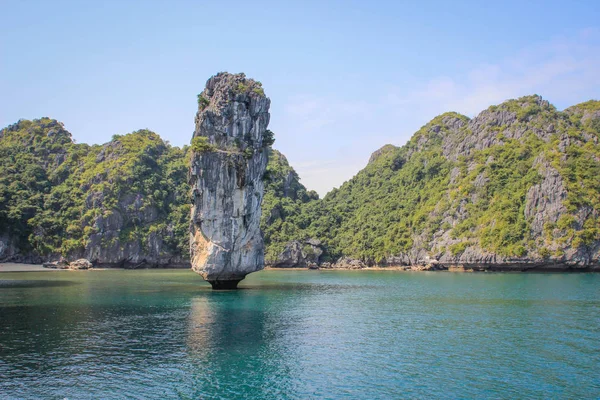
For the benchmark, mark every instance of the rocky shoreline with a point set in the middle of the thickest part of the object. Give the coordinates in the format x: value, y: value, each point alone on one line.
x: 522, y: 267
x: 307, y: 255
x: 300, y: 255
x: 79, y: 266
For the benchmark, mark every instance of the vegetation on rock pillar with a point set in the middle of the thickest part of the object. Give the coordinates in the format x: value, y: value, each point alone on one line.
x: 200, y: 144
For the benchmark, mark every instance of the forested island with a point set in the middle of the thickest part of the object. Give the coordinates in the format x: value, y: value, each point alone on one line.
x: 515, y: 188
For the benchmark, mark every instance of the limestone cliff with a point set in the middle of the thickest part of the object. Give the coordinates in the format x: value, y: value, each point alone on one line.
x: 229, y: 159
x: 514, y: 188
x: 120, y: 204
x: 298, y: 254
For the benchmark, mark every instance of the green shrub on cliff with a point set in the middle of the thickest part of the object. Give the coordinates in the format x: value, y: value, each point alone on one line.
x: 268, y: 138
x: 200, y: 144
x: 203, y: 102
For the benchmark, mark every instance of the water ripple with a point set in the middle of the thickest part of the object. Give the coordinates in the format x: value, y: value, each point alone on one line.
x: 297, y: 335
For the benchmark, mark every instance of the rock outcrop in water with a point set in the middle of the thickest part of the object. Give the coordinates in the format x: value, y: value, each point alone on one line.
x: 229, y: 159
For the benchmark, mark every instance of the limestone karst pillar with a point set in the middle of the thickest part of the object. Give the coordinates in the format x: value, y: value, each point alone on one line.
x: 229, y: 159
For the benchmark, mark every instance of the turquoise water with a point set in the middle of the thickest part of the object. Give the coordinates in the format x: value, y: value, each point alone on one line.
x: 299, y: 335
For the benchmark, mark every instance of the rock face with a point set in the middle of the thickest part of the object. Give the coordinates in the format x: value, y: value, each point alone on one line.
x: 82, y: 263
x: 106, y: 247
x: 62, y: 263
x: 229, y: 159
x: 348, y: 263
x: 9, y: 251
x: 291, y: 256
x: 388, y: 148
x: 298, y: 254
x: 313, y: 250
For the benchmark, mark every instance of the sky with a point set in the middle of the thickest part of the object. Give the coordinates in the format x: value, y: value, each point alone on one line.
x: 344, y: 77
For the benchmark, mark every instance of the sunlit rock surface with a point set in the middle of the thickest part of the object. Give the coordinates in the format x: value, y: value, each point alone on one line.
x: 229, y: 159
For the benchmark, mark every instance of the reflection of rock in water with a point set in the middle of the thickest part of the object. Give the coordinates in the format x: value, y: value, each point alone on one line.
x: 236, y: 342
x: 221, y: 326
x: 229, y: 159
x: 200, y: 323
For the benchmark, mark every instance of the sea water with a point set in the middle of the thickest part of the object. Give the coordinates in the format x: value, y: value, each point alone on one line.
x: 299, y: 335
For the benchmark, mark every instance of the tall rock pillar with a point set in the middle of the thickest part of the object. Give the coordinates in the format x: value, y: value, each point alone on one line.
x: 229, y: 159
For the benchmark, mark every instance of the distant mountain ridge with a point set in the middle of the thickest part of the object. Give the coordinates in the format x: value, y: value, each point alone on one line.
x: 517, y: 185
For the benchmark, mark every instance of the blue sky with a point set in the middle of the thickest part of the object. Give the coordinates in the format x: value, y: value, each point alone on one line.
x: 344, y: 77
